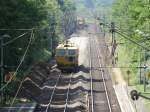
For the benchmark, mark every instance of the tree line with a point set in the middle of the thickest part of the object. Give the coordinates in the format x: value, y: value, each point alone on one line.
x: 47, y: 21
x: 132, y: 17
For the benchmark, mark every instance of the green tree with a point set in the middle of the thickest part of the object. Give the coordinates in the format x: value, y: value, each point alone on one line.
x: 46, y: 17
x: 133, y: 18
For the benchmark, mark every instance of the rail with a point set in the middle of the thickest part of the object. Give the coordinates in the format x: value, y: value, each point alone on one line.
x: 51, y: 98
x: 53, y: 92
x: 91, y: 80
x: 68, y: 93
x: 103, y: 78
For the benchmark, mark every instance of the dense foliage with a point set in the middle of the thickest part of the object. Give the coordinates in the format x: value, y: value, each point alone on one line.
x: 44, y: 15
x: 135, y: 13
x: 52, y: 20
x: 132, y: 17
x: 88, y: 8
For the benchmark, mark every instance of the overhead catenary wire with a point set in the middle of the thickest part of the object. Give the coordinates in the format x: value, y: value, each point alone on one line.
x: 22, y: 35
x: 126, y: 31
x: 15, y: 95
x: 30, y: 29
x: 11, y: 41
x: 3, y: 29
x: 53, y: 92
x: 31, y: 37
x: 141, y: 40
x: 122, y: 30
x: 127, y: 37
x: 22, y: 60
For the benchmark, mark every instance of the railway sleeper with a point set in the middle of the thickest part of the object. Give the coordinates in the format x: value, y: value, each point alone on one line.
x: 76, y: 107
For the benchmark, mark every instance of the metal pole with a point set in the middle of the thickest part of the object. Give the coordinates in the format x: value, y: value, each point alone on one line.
x: 140, y: 69
x: 113, y: 42
x: 128, y: 80
x: 144, y: 70
x: 104, y: 25
x: 2, y: 66
x: 128, y: 73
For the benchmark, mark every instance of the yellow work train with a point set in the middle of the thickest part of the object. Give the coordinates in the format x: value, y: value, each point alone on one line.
x: 67, y: 56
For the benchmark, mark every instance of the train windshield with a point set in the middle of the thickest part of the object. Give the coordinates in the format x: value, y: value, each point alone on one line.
x: 71, y: 52
x: 60, y: 52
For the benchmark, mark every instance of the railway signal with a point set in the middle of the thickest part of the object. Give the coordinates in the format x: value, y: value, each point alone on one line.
x: 128, y: 73
x: 135, y: 95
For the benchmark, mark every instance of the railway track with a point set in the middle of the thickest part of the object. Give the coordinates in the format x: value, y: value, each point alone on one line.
x: 91, y: 81
x: 63, y: 104
x: 63, y: 97
x: 52, y: 95
x: 67, y: 97
x: 100, y: 101
x: 103, y: 78
x: 85, y: 91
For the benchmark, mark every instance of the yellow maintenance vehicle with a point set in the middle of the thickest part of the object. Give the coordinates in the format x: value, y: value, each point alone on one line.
x: 67, y: 55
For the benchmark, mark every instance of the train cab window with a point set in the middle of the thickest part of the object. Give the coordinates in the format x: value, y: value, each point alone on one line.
x: 71, y: 52
x: 60, y: 52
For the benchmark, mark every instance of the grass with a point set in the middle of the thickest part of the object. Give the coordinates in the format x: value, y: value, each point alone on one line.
x: 140, y: 88
x: 125, y: 60
x: 147, y: 104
